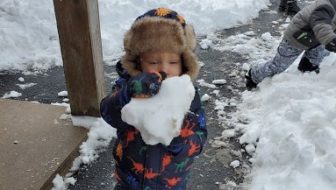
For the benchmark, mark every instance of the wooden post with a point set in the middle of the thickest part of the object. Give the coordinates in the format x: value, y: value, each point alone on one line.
x: 80, y: 40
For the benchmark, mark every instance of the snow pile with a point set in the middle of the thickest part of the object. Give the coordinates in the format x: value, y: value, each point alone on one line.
x: 12, y: 94
x: 29, y: 38
x: 28, y: 35
x: 63, y: 94
x: 202, y: 82
x: 235, y: 164
x: 160, y: 117
x: 25, y: 86
x: 255, y: 49
x: 293, y: 118
x: 99, y: 137
x: 62, y: 184
x: 21, y: 79
x: 205, y: 98
x: 233, y: 12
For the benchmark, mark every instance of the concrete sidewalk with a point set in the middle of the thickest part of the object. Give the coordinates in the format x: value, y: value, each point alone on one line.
x: 35, y: 144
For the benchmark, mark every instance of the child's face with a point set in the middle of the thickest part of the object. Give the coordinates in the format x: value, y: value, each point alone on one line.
x: 167, y: 62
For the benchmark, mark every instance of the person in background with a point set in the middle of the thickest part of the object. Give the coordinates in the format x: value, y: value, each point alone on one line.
x: 289, y: 7
x: 311, y: 31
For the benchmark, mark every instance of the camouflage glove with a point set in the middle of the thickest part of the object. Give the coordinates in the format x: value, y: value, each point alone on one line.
x: 145, y: 84
x: 331, y: 46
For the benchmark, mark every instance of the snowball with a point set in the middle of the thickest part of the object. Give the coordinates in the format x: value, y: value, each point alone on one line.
x: 228, y: 133
x: 21, y: 79
x: 219, y: 81
x: 160, y: 117
x: 201, y: 64
x: 63, y: 93
x: 205, y: 43
x: 250, y: 149
x: 205, y: 98
x: 235, y: 164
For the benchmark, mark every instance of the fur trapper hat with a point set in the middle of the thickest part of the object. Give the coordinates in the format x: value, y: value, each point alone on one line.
x: 160, y: 30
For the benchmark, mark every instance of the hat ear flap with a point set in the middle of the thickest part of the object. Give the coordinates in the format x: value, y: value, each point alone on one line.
x: 191, y: 64
x: 129, y: 65
x: 127, y: 40
x: 190, y: 36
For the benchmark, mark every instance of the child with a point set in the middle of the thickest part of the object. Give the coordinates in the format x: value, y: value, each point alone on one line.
x: 290, y: 7
x: 159, y: 44
x: 309, y: 31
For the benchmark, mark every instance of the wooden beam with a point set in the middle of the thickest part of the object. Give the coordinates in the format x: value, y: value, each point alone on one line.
x: 80, y: 40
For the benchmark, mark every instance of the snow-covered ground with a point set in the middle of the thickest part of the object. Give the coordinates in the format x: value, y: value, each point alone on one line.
x: 290, y: 119
x: 293, y: 117
x: 99, y: 137
x: 29, y: 39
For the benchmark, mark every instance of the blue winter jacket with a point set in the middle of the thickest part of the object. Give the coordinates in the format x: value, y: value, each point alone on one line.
x: 152, y: 167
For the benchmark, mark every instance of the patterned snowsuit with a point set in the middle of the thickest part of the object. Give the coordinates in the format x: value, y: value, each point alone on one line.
x: 147, y: 167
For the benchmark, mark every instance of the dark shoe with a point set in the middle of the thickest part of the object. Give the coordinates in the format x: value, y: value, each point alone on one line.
x: 306, y: 66
x: 292, y: 8
x: 283, y: 6
x: 282, y: 9
x: 249, y: 82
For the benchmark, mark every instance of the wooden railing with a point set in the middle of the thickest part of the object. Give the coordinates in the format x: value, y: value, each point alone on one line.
x: 81, y: 47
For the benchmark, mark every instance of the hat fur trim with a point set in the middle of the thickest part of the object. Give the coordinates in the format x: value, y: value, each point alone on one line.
x: 159, y: 34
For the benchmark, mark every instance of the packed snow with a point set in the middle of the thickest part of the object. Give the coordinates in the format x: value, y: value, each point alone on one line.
x: 159, y: 118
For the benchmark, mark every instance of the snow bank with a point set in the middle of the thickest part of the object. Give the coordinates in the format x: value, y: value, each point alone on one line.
x: 293, y: 117
x: 29, y: 39
x: 28, y: 35
x: 99, y: 137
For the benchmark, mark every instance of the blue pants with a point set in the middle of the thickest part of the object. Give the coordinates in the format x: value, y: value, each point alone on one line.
x: 286, y: 55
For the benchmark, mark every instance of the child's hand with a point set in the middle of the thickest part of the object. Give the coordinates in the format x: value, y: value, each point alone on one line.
x: 145, y: 84
x: 331, y: 46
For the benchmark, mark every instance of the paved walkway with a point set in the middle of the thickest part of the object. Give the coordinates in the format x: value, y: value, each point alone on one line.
x: 35, y: 144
